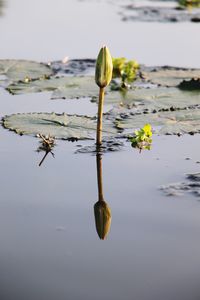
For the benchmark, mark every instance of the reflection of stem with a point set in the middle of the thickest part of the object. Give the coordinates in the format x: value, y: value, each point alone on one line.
x: 46, y: 153
x: 43, y: 158
x: 99, y: 177
x: 102, y: 211
x: 100, y: 115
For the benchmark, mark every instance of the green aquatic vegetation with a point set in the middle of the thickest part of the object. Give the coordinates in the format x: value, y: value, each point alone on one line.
x: 125, y: 69
x: 189, y: 3
x: 142, y: 139
x: 190, y: 85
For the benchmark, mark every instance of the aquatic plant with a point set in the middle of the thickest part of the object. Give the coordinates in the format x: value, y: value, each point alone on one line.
x: 125, y: 69
x: 190, y: 3
x: 47, y: 143
x: 103, y: 76
x: 142, y: 139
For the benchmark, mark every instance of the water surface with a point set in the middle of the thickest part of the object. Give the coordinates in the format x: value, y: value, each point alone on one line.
x: 49, y: 245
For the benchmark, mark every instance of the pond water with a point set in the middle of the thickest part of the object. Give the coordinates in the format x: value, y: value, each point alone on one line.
x: 49, y: 245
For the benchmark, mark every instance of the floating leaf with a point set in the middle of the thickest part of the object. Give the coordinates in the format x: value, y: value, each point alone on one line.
x: 62, y: 87
x: 16, y: 70
x: 177, y: 122
x: 60, y: 126
x: 162, y: 12
x: 190, y: 85
x: 169, y: 76
x: 148, y: 100
x: 75, y: 67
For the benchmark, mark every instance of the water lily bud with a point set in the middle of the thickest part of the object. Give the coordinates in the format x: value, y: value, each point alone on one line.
x: 102, y: 215
x: 104, y: 68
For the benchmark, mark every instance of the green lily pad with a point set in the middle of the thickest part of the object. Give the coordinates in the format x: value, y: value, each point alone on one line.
x: 161, y: 12
x: 169, y: 76
x: 62, y: 87
x: 16, y: 70
x: 177, y: 122
x: 154, y: 99
x: 74, y: 67
x: 60, y: 126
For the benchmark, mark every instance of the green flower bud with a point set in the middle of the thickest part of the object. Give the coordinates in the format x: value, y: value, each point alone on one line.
x: 102, y: 215
x: 104, y: 68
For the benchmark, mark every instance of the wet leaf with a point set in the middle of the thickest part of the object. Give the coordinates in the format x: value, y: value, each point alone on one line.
x: 190, y: 85
x: 148, y: 100
x: 16, y: 70
x: 61, y: 87
x: 60, y: 126
x: 169, y: 76
x: 74, y: 67
x: 177, y: 122
x: 159, y: 12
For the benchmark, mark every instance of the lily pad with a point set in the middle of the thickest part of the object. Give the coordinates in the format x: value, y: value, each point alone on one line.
x: 159, y: 12
x: 16, y: 70
x: 74, y: 67
x: 152, y: 100
x: 193, y: 84
x: 62, y: 87
x: 177, y: 122
x: 60, y: 126
x: 169, y: 76
x: 1, y: 7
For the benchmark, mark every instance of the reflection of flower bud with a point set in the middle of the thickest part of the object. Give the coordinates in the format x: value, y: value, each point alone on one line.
x: 102, y: 215
x: 104, y: 68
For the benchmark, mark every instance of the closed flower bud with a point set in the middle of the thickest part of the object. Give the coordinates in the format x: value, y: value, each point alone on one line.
x: 102, y: 215
x: 104, y: 68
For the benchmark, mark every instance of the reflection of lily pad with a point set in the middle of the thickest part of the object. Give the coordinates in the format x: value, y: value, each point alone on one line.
x: 169, y: 76
x: 177, y: 122
x: 61, y: 126
x: 191, y: 186
x: 20, y: 69
x: 62, y: 87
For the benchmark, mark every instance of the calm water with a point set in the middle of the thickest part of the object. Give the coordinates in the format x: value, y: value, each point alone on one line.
x: 49, y: 248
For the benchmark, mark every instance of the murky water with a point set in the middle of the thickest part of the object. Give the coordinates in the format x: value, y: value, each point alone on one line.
x: 49, y: 248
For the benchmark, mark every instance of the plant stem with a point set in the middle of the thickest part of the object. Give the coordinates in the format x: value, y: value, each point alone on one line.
x: 100, y: 115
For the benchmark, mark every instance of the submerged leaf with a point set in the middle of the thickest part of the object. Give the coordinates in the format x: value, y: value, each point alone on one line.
x: 60, y: 126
